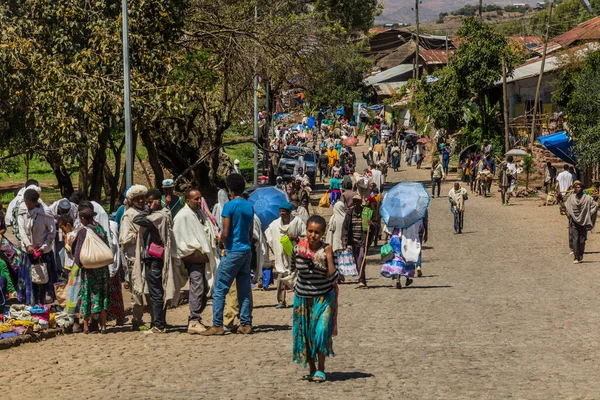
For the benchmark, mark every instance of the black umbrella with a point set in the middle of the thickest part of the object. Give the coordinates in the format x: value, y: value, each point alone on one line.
x: 467, y: 149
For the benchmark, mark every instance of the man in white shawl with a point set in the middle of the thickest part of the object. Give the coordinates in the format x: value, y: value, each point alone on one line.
x: 288, y: 230
x: 582, y: 211
x: 131, y: 247
x: 197, y: 248
x: 457, y: 197
x: 157, y: 260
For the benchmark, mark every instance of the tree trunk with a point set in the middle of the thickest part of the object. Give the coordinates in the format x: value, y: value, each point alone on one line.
x: 159, y: 175
x: 27, y: 160
x: 84, y: 177
x: 63, y: 177
x: 98, y: 163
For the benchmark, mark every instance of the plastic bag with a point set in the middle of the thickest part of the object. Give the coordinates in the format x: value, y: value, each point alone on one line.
x: 287, y: 245
x: 386, y: 252
x: 94, y: 252
x: 344, y: 262
x: 39, y: 273
x: 325, y: 202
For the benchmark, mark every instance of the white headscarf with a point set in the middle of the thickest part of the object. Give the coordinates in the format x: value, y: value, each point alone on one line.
x: 334, y: 232
x: 222, y: 198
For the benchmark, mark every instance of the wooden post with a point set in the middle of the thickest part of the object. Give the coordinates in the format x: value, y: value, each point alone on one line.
x: 541, y: 76
x: 418, y: 39
x: 506, y: 113
x: 481, y: 9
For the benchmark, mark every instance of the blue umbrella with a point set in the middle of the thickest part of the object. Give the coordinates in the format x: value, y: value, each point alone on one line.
x: 266, y: 202
x: 404, y: 205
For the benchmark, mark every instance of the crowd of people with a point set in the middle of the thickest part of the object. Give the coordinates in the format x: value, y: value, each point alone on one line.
x: 72, y: 253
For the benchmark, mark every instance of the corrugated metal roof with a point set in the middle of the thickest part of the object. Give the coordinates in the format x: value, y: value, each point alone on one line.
x: 389, y: 74
x: 526, y: 40
x: 435, y: 56
x: 588, y: 30
x: 389, y: 88
x: 552, y: 47
x: 532, y: 67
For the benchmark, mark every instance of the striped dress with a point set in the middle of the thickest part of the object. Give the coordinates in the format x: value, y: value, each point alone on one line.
x: 314, y: 310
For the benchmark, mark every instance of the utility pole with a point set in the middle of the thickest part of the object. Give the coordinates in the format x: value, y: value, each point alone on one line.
x: 256, y: 108
x: 505, y: 101
x: 446, y: 45
x: 541, y: 76
x: 129, y: 145
x: 481, y: 9
x: 418, y: 40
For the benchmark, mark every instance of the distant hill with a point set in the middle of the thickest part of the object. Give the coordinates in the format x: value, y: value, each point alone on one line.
x: 429, y: 10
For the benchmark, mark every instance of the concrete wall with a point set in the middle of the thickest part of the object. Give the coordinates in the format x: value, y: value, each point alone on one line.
x: 523, y: 91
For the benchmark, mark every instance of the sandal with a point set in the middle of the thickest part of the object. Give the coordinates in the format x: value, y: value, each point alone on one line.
x: 308, y: 377
x: 319, y: 376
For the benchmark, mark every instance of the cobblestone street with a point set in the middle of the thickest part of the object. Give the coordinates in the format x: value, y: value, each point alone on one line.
x: 501, y: 312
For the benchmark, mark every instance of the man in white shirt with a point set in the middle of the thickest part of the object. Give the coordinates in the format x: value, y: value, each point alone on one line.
x: 293, y: 228
x: 564, y: 180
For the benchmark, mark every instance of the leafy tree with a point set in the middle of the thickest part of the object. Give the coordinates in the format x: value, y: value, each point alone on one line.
x: 439, y: 100
x: 528, y: 168
x: 351, y: 15
x: 579, y: 90
x: 478, y: 60
x: 565, y: 16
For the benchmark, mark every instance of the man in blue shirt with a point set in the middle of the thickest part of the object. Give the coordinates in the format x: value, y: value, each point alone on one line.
x: 235, y: 241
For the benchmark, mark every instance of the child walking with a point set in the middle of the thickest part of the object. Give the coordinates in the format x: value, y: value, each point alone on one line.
x: 315, y: 304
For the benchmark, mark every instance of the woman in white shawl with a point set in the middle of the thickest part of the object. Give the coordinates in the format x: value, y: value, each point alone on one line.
x: 336, y: 222
x: 300, y: 166
x: 222, y: 198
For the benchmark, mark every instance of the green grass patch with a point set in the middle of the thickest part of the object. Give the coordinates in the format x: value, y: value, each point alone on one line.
x: 245, y: 153
x: 38, y: 169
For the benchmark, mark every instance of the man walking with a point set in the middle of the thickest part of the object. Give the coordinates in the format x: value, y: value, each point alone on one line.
x: 582, y: 211
x: 286, y: 226
x: 505, y: 181
x: 564, y: 180
x: 549, y: 176
x: 437, y: 174
x: 235, y: 240
x: 457, y: 197
x: 196, y: 246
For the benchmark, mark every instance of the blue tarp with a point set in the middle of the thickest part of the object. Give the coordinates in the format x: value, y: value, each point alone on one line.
x: 560, y: 144
x: 311, y: 122
x: 340, y: 111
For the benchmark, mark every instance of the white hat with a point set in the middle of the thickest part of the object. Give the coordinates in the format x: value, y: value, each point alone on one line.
x: 236, y: 162
x: 168, y: 183
x: 136, y: 191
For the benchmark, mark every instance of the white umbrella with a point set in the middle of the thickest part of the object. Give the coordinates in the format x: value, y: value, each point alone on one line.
x: 517, y: 153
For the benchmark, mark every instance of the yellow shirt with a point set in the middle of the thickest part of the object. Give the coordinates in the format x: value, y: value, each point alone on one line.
x: 333, y: 156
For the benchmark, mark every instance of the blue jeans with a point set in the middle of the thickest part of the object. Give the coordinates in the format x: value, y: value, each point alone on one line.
x: 445, y: 164
x: 235, y: 265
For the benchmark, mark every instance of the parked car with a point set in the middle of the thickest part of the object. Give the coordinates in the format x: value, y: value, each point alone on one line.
x: 288, y: 160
